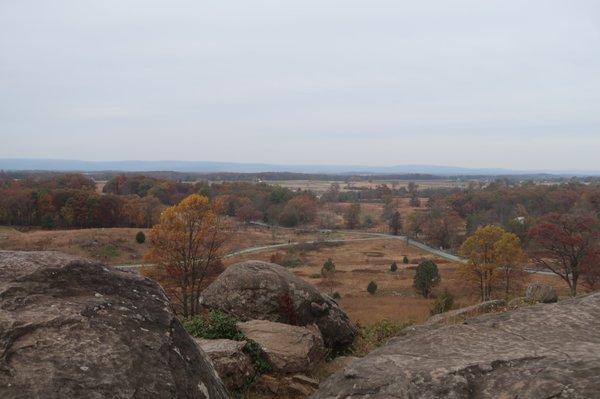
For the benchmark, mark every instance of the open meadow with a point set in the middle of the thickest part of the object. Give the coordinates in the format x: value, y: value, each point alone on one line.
x: 360, y: 262
x: 320, y: 186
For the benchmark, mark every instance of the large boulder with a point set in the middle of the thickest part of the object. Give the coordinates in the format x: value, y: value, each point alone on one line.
x: 540, y: 351
x: 538, y: 292
x: 288, y: 348
x: 233, y: 365
x: 72, y: 328
x: 260, y: 290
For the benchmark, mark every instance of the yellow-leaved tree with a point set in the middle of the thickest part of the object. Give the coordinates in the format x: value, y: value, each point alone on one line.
x: 511, y: 259
x: 185, y: 247
x: 494, y: 255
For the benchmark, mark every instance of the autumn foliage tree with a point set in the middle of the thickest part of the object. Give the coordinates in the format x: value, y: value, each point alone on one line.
x: 493, y: 256
x: 395, y: 223
x: 299, y: 210
x: 568, y: 245
x: 353, y: 216
x: 510, y: 258
x: 186, y: 246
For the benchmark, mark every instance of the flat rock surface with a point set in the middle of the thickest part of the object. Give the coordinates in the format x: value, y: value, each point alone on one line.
x: 288, y: 348
x: 260, y: 290
x: 537, y: 352
x: 72, y: 328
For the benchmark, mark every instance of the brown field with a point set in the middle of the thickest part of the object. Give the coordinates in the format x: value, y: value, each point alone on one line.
x: 117, y: 246
x: 320, y: 186
x: 112, y: 246
x: 358, y: 263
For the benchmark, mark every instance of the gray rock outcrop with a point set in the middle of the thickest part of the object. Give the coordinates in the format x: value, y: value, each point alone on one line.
x: 260, y: 290
x: 538, y: 292
x: 289, y: 349
x: 72, y: 328
x: 536, y: 352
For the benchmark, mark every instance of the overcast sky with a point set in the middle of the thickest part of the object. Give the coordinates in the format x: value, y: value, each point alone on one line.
x: 479, y: 83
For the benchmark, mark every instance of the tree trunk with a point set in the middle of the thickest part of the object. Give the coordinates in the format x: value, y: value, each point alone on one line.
x: 574, y: 285
x: 184, y: 301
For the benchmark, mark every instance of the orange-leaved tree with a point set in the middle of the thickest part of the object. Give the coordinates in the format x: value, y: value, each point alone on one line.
x: 493, y: 254
x: 185, y: 247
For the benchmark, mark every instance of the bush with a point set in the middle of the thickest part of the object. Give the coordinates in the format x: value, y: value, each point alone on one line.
x: 372, y: 287
x: 328, y: 268
x: 394, y: 267
x: 377, y: 334
x: 405, y: 260
x: 336, y: 295
x: 140, y: 237
x: 426, y: 277
x: 219, y: 325
x: 443, y: 303
x: 259, y: 362
x: 215, y: 325
x: 108, y: 252
x: 47, y: 222
x: 291, y: 258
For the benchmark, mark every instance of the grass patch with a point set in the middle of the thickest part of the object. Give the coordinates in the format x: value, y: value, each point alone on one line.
x: 377, y: 334
x: 215, y: 325
x: 109, y: 252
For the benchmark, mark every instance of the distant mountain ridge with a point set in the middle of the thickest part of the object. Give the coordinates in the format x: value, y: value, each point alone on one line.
x: 212, y: 167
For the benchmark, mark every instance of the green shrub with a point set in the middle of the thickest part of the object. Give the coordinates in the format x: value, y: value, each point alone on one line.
x: 372, y: 287
x: 377, y: 334
x: 442, y: 303
x: 140, y: 237
x: 291, y: 258
x: 405, y: 260
x: 328, y: 268
x: 260, y: 363
x: 336, y: 295
x: 108, y: 252
x: 215, y: 325
x: 394, y: 267
x: 219, y: 325
x: 47, y: 222
x: 426, y: 277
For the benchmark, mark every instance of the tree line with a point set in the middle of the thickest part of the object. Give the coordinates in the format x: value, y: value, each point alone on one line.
x: 71, y: 201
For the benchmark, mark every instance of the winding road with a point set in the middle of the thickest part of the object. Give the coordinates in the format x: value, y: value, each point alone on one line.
x: 368, y: 237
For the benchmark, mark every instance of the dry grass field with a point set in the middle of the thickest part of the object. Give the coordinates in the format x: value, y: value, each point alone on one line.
x: 320, y: 186
x: 112, y: 246
x: 358, y: 263
x: 117, y: 246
